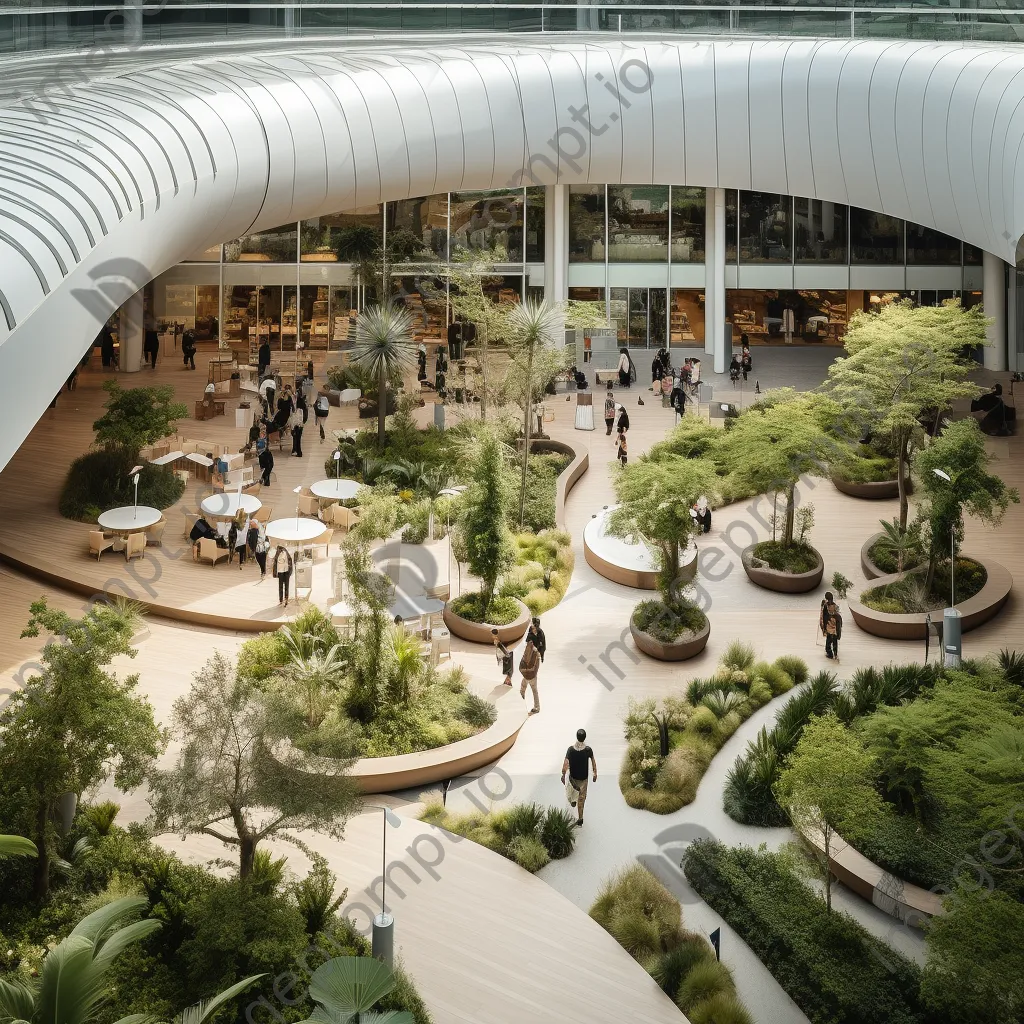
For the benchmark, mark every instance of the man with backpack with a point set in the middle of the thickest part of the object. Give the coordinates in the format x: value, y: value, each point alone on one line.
x: 832, y: 627
x: 321, y: 409
x: 529, y: 666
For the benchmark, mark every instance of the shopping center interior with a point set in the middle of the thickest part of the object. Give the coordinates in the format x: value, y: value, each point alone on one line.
x: 363, y: 518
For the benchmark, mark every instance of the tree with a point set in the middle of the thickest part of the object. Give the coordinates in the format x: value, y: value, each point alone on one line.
x: 74, y: 725
x: 72, y: 985
x: 235, y: 779
x: 467, y: 273
x: 655, y: 497
x: 533, y: 327
x: 348, y: 987
x: 829, y: 779
x: 314, y: 673
x: 769, y: 448
x: 384, y: 346
x: 490, y: 550
x: 974, y: 973
x: 904, y: 362
x: 136, y: 417
x: 959, y: 452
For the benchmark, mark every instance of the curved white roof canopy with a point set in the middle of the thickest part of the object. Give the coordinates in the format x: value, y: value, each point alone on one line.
x: 107, y: 182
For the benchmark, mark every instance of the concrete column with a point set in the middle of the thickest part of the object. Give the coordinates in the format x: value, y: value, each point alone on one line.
x: 994, y: 295
x: 130, y: 333
x: 556, y: 242
x: 721, y: 344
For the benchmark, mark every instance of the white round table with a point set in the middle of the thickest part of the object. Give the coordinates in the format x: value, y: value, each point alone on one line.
x: 228, y: 504
x: 129, y: 519
x: 340, y: 490
x: 294, y: 531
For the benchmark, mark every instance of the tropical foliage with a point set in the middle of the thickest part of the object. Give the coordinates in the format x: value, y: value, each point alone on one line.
x: 384, y: 346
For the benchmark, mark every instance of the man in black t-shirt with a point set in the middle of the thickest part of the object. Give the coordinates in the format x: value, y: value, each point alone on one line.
x: 577, y: 763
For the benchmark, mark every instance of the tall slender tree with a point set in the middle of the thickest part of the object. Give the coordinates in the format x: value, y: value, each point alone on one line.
x: 384, y: 346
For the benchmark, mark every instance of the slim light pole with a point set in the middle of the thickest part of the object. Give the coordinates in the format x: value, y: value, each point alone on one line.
x: 383, y: 943
x: 134, y: 475
x: 297, y: 491
x: 337, y: 464
x: 942, y: 475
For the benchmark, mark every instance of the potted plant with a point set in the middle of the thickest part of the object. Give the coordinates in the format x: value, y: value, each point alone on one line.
x: 655, y: 497
x: 768, y: 449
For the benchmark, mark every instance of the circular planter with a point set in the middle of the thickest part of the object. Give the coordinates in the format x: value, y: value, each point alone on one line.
x: 974, y: 612
x: 480, y: 632
x: 630, y: 565
x: 783, y: 582
x: 679, y: 650
x: 874, y: 490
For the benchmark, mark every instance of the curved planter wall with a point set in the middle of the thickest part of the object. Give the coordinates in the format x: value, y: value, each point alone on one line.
x: 974, y: 612
x: 569, y: 476
x: 480, y: 632
x: 783, y: 582
x: 874, y: 490
x: 682, y: 650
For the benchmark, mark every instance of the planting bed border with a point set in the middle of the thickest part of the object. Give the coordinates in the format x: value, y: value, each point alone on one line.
x: 974, y: 612
x: 871, y: 490
x: 480, y: 632
x: 783, y: 582
x: 680, y: 650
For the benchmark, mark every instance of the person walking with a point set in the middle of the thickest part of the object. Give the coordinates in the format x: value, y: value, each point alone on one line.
x: 107, y: 346
x: 621, y: 452
x: 268, y: 392
x: 833, y: 630
x: 188, y: 349
x: 578, y: 759
x: 624, y: 368
x: 609, y: 408
x: 536, y: 634
x: 263, y: 359
x: 297, y: 421
x: 529, y: 666
x: 504, y: 658
x: 258, y: 545
x: 825, y: 602
x: 281, y: 566
x: 321, y: 409
x: 151, y: 346
x: 623, y: 424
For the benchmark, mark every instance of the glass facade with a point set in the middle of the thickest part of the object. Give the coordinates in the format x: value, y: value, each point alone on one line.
x: 819, y: 231
x: 688, y: 224
x: 586, y: 223
x: 637, y: 223
x: 876, y: 238
x: 765, y: 228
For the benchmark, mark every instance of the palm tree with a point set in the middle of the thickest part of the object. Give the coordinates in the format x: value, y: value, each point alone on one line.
x: 532, y: 325
x: 902, y: 543
x: 432, y: 483
x: 17, y: 846
x: 384, y: 345
x: 314, y: 672
x: 72, y: 984
x: 347, y: 987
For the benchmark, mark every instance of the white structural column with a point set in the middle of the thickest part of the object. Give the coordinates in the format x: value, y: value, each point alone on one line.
x: 130, y: 333
x: 714, y: 282
x: 556, y: 243
x: 994, y: 294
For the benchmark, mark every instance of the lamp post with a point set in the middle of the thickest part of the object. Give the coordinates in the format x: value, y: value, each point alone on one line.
x: 134, y: 475
x: 337, y: 463
x: 951, y: 626
x: 383, y: 941
x: 297, y: 491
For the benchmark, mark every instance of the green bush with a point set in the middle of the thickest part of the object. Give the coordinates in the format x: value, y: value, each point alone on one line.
x: 543, y: 572
x: 96, y: 482
x: 794, y: 558
x: 541, y: 483
x: 673, y: 966
x: 528, y: 852
x: 722, y: 1008
x: 832, y: 968
x: 795, y: 667
x: 558, y: 832
x: 706, y: 979
x: 667, y: 623
x: 907, y: 594
x: 739, y: 656
x: 502, y: 611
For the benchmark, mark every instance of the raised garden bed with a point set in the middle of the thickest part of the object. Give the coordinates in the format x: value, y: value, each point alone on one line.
x: 480, y: 632
x: 780, y: 581
x: 679, y: 650
x: 974, y: 611
x: 872, y: 490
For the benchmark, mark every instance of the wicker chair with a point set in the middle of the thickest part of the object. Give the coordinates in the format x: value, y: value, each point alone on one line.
x: 154, y: 535
x: 99, y: 542
x: 210, y: 552
x: 135, y: 546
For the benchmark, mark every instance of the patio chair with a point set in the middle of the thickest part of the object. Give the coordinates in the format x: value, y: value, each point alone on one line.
x: 309, y: 506
x: 191, y: 518
x: 323, y: 541
x: 135, y: 546
x: 99, y: 542
x: 154, y: 535
x: 209, y: 551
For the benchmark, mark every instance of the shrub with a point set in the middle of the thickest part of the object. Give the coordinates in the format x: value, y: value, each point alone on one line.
x: 672, y: 967
x: 795, y: 667
x: 96, y: 482
x: 703, y: 721
x: 721, y: 1008
x: 778, y: 679
x: 739, y: 655
x: 760, y: 693
x: 705, y: 979
x: 831, y: 967
x: 666, y: 622
x: 501, y: 612
x: 792, y: 558
x: 558, y: 833
x: 528, y: 852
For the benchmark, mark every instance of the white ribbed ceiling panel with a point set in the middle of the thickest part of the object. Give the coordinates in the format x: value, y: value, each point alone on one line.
x: 117, y: 178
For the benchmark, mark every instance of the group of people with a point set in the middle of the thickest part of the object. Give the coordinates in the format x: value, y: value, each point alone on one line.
x: 615, y: 415
x: 741, y: 364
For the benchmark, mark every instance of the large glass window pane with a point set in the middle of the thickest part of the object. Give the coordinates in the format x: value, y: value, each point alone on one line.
x: 686, y: 315
x: 535, y: 225
x: 418, y: 229
x: 637, y: 223
x: 348, y: 237
x: 688, y: 224
x: 314, y: 316
x: 275, y: 245
x: 240, y: 318
x: 765, y: 228
x: 875, y: 237
x: 820, y: 229
x: 424, y: 298
x: 928, y: 247
x: 207, y: 312
x: 289, y: 319
x: 586, y: 224
x: 343, y: 301
x: 731, y: 225
x: 618, y: 309
x: 268, y: 326
x: 972, y: 255
x: 482, y: 220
